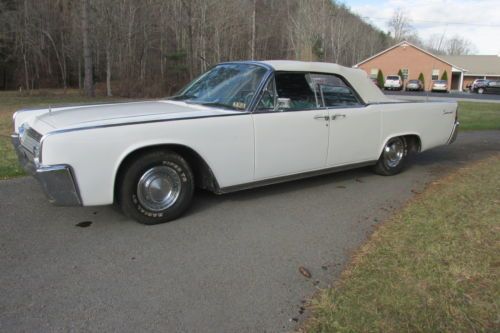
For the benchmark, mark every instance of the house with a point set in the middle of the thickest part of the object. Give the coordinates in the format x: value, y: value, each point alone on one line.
x: 477, y: 67
x: 413, y: 60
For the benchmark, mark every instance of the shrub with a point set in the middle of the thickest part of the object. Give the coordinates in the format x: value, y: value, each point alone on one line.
x: 380, y: 79
x: 444, y: 76
x: 421, y: 78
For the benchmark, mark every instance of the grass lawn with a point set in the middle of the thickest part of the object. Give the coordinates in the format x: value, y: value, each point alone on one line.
x: 434, y: 267
x: 11, y: 101
x: 479, y: 116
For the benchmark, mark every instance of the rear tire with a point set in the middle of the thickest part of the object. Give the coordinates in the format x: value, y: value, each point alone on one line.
x: 156, y: 187
x: 480, y: 91
x: 393, y: 157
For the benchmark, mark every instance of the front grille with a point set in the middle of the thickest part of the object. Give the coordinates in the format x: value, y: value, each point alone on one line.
x: 30, y: 140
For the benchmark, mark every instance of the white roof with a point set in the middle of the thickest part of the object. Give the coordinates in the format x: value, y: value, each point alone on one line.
x: 357, y: 78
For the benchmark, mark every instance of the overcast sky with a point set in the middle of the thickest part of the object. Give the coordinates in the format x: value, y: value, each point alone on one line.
x: 480, y: 18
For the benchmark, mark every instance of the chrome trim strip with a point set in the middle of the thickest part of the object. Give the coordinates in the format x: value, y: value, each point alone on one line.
x: 297, y: 176
x: 454, y: 133
x: 236, y: 113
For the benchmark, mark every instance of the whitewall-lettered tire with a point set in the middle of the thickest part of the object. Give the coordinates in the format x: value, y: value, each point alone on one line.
x: 393, y: 156
x: 156, y: 187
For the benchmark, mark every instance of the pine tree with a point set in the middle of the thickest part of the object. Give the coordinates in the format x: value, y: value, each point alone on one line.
x: 444, y: 76
x: 380, y: 79
x: 422, y: 79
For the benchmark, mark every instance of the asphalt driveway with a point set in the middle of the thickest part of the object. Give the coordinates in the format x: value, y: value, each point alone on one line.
x: 230, y: 265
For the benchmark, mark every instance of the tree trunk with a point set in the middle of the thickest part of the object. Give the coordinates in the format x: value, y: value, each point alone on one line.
x: 253, y: 29
x: 108, y: 72
x: 88, y: 82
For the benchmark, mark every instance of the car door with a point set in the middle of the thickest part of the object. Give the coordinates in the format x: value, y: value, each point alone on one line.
x: 354, y: 127
x: 494, y: 87
x: 291, y: 129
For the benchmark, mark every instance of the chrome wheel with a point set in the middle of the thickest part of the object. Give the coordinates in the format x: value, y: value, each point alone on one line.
x: 158, y: 188
x: 394, y: 151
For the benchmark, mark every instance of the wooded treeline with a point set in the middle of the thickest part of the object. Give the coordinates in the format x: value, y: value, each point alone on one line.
x: 153, y: 47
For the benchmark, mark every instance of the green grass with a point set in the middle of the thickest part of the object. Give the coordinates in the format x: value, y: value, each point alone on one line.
x: 434, y: 267
x: 11, y: 101
x: 479, y: 116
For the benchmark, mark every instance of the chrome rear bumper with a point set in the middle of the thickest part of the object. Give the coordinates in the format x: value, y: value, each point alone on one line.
x: 454, y: 133
x: 57, y: 181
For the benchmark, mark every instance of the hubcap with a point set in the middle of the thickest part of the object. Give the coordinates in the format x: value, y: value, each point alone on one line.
x: 394, y: 152
x: 158, y: 188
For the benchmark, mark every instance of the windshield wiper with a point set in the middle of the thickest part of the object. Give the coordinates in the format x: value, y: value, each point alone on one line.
x: 182, y: 97
x: 222, y: 105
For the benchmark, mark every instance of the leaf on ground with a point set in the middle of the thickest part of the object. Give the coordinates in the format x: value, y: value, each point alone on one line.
x: 304, y: 271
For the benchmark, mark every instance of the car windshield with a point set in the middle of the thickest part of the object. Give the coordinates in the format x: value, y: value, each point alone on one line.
x: 413, y: 81
x: 440, y: 81
x: 393, y: 78
x: 230, y: 86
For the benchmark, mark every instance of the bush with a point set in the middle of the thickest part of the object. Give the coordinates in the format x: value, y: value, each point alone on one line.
x: 380, y: 79
x: 421, y: 78
x: 444, y: 76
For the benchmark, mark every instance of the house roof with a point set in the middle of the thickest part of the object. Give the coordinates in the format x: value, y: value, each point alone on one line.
x: 480, y: 65
x: 416, y: 47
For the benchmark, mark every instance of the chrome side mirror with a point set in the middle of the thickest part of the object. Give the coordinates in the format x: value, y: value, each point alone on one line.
x: 283, y: 103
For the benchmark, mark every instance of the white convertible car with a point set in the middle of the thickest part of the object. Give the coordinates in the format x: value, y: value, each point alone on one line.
x: 240, y: 125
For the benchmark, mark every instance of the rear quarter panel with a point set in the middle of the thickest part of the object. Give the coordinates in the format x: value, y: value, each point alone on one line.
x: 432, y: 121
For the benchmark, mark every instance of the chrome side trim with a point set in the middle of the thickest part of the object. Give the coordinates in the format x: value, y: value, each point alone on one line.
x: 454, y: 133
x: 297, y: 176
x: 236, y: 113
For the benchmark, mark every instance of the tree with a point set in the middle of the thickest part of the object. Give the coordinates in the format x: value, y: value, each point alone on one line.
x: 380, y: 79
x: 87, y: 55
x: 444, y: 76
x: 153, y: 47
x: 400, y: 25
x: 458, y: 46
x: 421, y: 78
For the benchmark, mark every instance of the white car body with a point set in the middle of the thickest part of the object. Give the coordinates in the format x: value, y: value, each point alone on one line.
x: 393, y: 82
x: 241, y: 148
x: 439, y: 86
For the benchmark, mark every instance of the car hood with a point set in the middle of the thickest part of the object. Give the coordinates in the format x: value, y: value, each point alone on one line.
x: 121, y: 113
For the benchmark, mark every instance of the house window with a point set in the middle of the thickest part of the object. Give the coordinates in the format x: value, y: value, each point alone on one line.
x: 374, y: 73
x: 405, y: 73
x: 435, y: 74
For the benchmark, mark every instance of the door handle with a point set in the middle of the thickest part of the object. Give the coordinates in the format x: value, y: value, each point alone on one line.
x: 321, y: 117
x: 335, y: 116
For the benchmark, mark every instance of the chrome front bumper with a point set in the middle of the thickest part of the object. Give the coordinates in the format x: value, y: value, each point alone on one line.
x: 454, y: 133
x: 57, y: 181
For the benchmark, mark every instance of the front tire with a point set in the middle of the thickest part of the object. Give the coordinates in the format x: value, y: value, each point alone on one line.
x: 156, y: 187
x: 480, y: 91
x: 393, y: 156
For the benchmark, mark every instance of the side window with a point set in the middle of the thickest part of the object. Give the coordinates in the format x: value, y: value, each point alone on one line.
x: 295, y: 91
x: 333, y: 91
